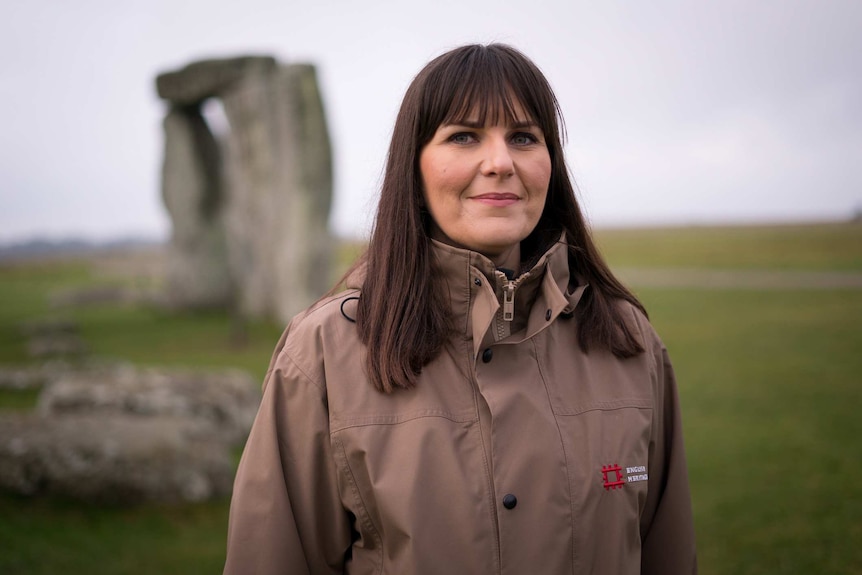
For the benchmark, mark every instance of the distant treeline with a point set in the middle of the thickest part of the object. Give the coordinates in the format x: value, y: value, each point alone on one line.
x: 39, y: 247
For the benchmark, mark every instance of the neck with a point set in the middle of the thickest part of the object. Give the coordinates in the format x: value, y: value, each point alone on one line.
x: 509, y: 259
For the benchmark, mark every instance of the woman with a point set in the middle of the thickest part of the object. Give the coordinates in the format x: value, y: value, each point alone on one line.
x: 485, y: 397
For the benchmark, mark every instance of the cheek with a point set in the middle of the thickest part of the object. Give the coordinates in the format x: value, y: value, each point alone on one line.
x: 537, y: 181
x: 540, y: 177
x: 442, y: 186
x: 433, y: 174
x: 544, y: 171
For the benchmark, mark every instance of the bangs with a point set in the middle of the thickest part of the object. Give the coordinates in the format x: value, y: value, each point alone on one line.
x: 484, y: 100
x: 487, y: 84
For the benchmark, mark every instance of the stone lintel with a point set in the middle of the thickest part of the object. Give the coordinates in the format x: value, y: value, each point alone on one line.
x: 207, y: 78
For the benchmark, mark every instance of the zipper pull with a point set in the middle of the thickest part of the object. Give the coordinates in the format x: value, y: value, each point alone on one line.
x: 509, y: 301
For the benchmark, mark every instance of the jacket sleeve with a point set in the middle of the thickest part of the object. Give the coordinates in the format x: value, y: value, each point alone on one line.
x: 668, y: 541
x: 285, y: 513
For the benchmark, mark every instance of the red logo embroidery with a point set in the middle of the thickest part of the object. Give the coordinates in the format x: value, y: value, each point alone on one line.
x: 612, y: 476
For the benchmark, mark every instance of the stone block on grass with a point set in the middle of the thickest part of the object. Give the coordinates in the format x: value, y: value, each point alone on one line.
x: 113, y: 459
x: 224, y: 401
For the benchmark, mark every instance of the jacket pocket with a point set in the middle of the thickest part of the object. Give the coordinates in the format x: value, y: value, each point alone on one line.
x: 607, y: 446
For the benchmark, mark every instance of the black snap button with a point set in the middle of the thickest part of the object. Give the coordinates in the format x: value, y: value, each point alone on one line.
x: 509, y: 501
x: 477, y: 281
x: 487, y: 355
x: 548, y: 315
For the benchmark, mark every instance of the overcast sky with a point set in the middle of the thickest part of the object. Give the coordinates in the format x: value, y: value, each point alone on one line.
x: 677, y: 111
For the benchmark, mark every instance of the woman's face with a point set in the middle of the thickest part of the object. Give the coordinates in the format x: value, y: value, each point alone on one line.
x: 485, y: 185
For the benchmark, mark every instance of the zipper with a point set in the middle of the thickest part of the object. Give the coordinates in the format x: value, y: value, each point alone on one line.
x: 509, y: 301
x: 507, y: 291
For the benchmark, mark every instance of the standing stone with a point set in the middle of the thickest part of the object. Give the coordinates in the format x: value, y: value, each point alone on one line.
x: 191, y: 186
x: 279, y: 162
x: 276, y: 181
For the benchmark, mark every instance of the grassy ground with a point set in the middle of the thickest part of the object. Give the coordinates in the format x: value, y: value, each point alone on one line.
x: 770, y: 386
x: 51, y: 536
x: 769, y: 381
x: 815, y: 247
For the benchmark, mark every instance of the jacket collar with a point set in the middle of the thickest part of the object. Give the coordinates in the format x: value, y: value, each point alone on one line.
x: 476, y: 294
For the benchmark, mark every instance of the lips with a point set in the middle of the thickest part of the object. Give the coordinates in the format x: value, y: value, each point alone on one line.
x: 496, y: 196
x: 497, y: 200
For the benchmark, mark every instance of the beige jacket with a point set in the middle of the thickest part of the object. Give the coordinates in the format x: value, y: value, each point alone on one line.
x: 516, y: 453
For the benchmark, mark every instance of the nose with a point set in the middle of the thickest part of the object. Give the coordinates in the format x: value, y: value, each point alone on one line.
x: 497, y: 160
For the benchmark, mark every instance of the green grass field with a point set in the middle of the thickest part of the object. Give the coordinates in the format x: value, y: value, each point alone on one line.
x: 815, y: 247
x: 770, y: 382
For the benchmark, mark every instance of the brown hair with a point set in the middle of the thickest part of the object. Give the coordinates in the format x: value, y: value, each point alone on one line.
x: 402, y: 317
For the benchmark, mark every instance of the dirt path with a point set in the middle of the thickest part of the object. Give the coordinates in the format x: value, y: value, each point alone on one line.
x: 738, y: 279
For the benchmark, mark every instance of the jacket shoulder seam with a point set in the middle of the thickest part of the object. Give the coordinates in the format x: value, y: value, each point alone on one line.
x: 300, y: 328
x: 320, y: 387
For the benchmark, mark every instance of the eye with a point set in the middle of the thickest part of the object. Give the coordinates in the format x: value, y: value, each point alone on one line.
x: 462, y: 138
x: 524, y: 139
